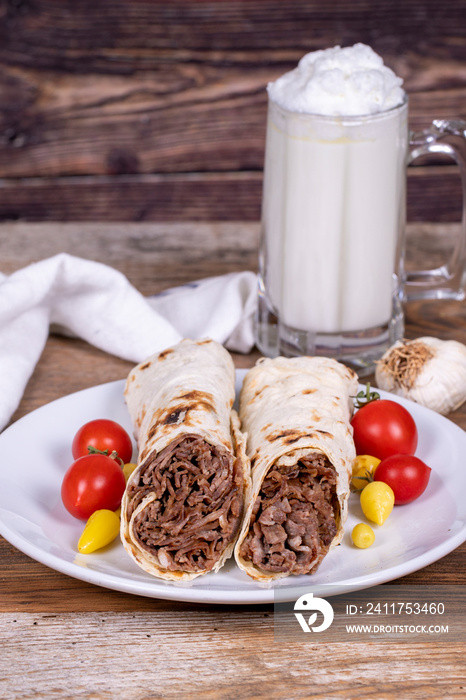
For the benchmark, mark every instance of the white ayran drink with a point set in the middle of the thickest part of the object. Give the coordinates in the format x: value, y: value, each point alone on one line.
x: 334, y: 195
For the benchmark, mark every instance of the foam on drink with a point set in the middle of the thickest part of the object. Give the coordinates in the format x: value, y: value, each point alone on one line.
x: 349, y: 81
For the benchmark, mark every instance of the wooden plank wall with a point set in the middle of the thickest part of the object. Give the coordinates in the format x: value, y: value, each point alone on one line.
x: 141, y: 110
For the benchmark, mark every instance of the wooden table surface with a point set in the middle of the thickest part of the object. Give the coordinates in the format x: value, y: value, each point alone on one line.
x: 63, y: 638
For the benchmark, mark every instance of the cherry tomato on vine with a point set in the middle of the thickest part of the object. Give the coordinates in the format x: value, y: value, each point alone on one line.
x: 407, y: 476
x: 104, y: 435
x: 383, y: 428
x: 93, y: 482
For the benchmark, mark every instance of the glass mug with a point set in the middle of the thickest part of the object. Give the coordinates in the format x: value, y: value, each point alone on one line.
x: 331, y: 261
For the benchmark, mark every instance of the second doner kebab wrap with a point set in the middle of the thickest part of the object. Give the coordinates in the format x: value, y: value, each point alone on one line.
x: 182, y: 508
x: 296, y: 414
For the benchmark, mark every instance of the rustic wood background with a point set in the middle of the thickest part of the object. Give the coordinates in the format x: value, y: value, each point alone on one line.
x: 141, y: 110
x: 65, y: 639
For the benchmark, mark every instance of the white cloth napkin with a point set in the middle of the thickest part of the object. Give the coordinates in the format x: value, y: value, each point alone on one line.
x: 97, y: 303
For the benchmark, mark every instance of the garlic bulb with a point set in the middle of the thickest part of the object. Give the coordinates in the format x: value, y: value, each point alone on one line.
x: 429, y: 371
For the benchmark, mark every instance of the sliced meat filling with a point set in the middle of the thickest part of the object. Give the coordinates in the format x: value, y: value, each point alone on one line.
x: 293, y: 519
x: 198, y: 504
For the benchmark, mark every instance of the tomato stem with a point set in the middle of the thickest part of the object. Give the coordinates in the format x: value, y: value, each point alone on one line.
x: 362, y: 398
x: 368, y: 477
x: 113, y: 455
x: 95, y: 451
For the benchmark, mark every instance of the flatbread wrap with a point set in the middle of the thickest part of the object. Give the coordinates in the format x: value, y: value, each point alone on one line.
x: 296, y: 413
x: 182, y: 508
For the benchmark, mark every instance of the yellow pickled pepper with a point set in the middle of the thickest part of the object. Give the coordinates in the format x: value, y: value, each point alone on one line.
x: 128, y: 469
x: 363, y: 470
x: 363, y: 536
x: 377, y: 500
x: 102, y: 528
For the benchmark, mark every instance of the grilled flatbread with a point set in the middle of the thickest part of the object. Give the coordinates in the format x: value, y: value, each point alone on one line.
x: 296, y: 414
x: 182, y: 508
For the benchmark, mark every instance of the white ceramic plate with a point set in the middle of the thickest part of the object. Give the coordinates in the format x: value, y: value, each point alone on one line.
x: 36, y: 451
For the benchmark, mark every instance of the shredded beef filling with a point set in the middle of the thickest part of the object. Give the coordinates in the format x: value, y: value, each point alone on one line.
x: 198, y: 504
x: 293, y: 519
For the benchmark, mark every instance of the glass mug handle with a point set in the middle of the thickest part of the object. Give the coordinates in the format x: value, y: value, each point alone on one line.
x: 449, y: 280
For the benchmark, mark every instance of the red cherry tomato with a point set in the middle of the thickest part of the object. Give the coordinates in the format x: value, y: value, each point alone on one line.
x: 408, y: 476
x: 383, y: 428
x: 91, y: 483
x: 102, y: 434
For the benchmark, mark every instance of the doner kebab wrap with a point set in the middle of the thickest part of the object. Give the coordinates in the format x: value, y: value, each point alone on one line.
x: 182, y: 508
x: 296, y: 414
